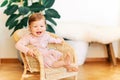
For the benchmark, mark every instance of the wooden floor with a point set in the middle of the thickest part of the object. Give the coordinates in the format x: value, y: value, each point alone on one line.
x: 88, y: 71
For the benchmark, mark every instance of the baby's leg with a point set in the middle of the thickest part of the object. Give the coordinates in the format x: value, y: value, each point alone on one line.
x: 65, y: 63
x: 69, y: 66
x: 62, y: 62
x: 59, y: 63
x: 67, y: 60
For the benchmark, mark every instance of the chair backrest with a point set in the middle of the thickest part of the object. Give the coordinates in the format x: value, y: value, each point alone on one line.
x: 19, y: 33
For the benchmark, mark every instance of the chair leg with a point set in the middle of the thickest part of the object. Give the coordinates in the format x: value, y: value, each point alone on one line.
x: 75, y: 77
x: 23, y: 75
x: 111, y: 54
x: 22, y: 78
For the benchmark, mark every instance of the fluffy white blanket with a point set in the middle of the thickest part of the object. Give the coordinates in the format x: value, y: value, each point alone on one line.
x: 88, y: 32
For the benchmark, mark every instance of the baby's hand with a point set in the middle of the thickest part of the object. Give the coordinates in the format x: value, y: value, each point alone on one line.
x: 31, y: 53
x: 60, y: 40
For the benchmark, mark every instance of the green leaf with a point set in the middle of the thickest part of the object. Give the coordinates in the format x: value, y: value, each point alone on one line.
x: 48, y: 3
x: 50, y: 20
x: 52, y: 13
x: 13, y: 24
x: 4, y: 3
x: 25, y: 2
x: 18, y: 26
x: 21, y: 24
x: 23, y: 10
x: 9, y: 4
x: 11, y: 19
x: 50, y: 29
x: 24, y: 21
x: 36, y: 7
x: 15, y: 0
x: 11, y: 9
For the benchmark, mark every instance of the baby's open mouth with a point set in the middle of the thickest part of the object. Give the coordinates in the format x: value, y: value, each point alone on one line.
x: 39, y: 32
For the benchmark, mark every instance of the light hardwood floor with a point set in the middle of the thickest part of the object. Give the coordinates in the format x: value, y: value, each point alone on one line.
x: 88, y: 71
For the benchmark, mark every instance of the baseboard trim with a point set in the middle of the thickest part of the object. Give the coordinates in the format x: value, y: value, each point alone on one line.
x: 9, y: 60
x: 118, y: 59
x: 15, y: 60
x: 96, y: 59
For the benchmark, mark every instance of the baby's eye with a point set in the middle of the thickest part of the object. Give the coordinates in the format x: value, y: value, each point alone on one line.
x: 41, y: 26
x: 34, y: 26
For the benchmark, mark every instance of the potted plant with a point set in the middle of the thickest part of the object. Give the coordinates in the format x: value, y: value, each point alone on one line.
x: 20, y: 10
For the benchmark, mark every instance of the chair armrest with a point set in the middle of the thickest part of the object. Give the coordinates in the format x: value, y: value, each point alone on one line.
x: 39, y: 57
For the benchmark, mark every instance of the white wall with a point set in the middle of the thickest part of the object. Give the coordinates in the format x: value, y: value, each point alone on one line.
x: 7, y: 49
x: 98, y: 12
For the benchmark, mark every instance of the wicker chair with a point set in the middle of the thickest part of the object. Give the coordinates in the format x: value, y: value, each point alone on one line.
x: 36, y: 64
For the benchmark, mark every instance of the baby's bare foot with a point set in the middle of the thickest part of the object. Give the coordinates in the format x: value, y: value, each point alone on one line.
x: 72, y: 69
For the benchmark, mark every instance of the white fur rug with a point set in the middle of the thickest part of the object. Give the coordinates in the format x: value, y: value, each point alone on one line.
x: 88, y: 32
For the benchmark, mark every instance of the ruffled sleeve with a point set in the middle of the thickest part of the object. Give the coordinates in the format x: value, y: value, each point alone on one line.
x: 21, y: 45
x: 53, y: 40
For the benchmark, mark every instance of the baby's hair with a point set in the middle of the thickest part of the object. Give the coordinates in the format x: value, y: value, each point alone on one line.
x: 36, y: 17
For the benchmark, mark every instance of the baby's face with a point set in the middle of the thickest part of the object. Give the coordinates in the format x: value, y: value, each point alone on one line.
x: 37, y: 28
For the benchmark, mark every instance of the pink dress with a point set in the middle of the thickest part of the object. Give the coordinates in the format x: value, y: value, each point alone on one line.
x: 49, y: 55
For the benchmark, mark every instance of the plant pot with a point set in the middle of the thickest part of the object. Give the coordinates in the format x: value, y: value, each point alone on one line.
x: 19, y: 57
x: 81, y: 49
